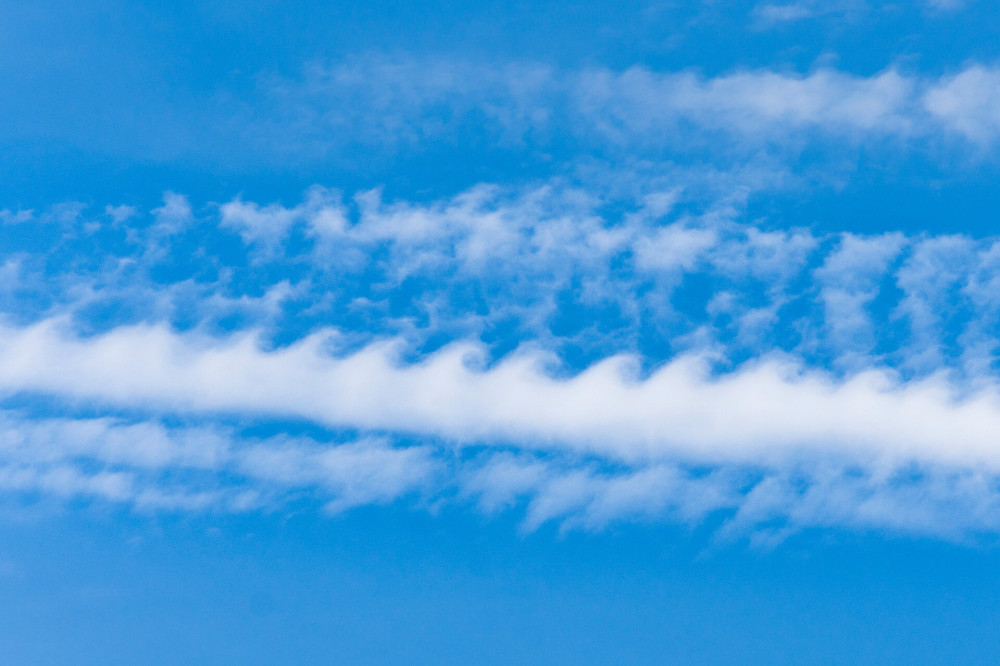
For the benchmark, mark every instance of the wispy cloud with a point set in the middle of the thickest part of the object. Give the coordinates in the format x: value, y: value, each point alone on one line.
x: 968, y: 103
x: 556, y: 265
x: 416, y: 103
x: 149, y: 467
x: 793, y: 376
x: 152, y: 467
x: 771, y: 14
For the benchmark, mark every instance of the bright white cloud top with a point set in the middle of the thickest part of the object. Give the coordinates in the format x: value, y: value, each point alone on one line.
x: 593, y: 356
x: 758, y: 413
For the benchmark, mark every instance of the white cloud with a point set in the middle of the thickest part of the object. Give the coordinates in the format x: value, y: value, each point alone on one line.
x: 773, y: 14
x: 773, y: 440
x: 849, y: 281
x: 154, y: 468
x: 769, y: 256
x: 752, y: 102
x: 265, y: 228
x: 770, y: 15
x: 415, y: 103
x: 946, y: 5
x: 929, y: 278
x: 765, y: 411
x: 173, y: 215
x: 266, y: 225
x: 674, y: 248
x: 353, y: 474
x: 968, y: 103
x: 670, y: 265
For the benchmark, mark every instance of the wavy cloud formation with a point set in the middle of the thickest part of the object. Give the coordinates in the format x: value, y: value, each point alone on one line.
x: 760, y: 412
x: 582, y: 275
x: 585, y: 358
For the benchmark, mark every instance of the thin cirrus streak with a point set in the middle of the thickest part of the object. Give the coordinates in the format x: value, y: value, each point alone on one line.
x: 150, y: 467
x: 387, y: 101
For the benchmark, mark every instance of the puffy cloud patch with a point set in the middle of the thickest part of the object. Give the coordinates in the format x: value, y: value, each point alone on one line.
x: 769, y: 379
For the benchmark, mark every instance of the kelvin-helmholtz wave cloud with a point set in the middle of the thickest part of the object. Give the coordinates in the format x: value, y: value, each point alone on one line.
x: 624, y: 338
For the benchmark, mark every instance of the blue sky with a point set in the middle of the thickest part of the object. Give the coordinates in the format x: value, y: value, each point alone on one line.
x: 499, y: 332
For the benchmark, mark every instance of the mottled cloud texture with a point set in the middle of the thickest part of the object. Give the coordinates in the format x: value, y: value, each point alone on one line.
x: 581, y: 294
x: 567, y: 351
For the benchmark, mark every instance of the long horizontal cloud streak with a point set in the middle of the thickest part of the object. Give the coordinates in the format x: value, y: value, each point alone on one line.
x: 760, y: 413
x: 584, y: 358
x: 150, y: 467
x: 413, y: 102
x: 208, y: 468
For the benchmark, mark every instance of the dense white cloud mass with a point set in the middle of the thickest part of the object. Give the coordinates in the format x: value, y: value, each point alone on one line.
x: 585, y: 358
x: 767, y: 410
x: 625, y: 342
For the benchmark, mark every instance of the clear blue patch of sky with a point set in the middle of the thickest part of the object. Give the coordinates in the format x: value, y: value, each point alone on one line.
x: 390, y: 586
